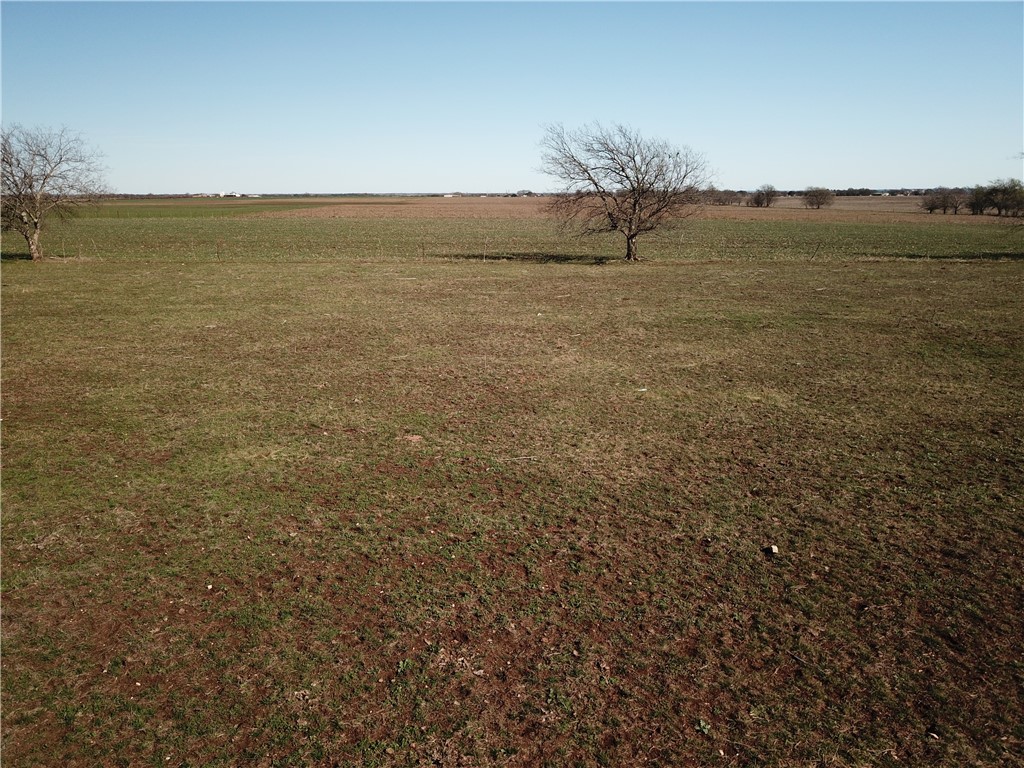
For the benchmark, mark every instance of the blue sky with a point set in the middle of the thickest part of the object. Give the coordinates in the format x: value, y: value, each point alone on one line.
x: 434, y: 97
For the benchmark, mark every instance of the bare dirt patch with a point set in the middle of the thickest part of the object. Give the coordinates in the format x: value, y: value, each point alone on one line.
x: 423, y: 208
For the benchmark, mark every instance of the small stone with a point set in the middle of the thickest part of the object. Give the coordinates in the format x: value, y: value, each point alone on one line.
x: 771, y: 551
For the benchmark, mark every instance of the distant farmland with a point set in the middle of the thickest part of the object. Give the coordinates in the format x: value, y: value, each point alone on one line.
x: 423, y: 481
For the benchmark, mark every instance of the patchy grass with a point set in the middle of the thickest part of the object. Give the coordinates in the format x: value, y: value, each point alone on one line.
x: 404, y: 229
x: 320, y: 504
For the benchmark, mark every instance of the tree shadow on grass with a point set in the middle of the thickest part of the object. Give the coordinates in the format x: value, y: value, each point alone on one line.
x: 16, y: 256
x: 980, y: 256
x: 531, y: 257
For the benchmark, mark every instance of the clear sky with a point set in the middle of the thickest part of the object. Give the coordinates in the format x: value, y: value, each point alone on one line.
x: 290, y: 97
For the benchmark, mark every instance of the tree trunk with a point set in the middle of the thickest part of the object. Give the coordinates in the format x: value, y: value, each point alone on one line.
x: 33, y: 245
x: 631, y: 254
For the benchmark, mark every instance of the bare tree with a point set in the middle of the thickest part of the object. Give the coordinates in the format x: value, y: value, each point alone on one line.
x: 979, y: 199
x: 1007, y: 197
x: 763, y: 197
x: 947, y: 199
x: 957, y: 199
x: 723, y: 196
x: 617, y: 181
x: 45, y: 172
x: 932, y: 200
x: 818, y: 197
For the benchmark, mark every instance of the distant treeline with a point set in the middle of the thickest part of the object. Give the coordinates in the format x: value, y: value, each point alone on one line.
x: 1003, y: 198
x: 738, y: 196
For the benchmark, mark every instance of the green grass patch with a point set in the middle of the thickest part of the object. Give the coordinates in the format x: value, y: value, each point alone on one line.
x: 201, y: 230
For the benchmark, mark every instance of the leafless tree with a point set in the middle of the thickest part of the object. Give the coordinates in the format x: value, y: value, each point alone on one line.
x: 1007, y: 197
x: 614, y: 180
x: 818, y: 197
x: 723, y: 196
x: 945, y: 198
x: 763, y: 197
x: 932, y: 200
x: 45, y: 172
x: 979, y: 199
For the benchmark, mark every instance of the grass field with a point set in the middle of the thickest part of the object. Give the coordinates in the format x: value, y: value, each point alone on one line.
x: 414, y: 482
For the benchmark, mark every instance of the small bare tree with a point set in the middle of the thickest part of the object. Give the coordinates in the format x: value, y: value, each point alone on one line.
x: 945, y: 198
x: 723, y: 196
x: 614, y: 180
x: 45, y: 172
x: 1007, y: 197
x: 763, y: 197
x: 818, y: 197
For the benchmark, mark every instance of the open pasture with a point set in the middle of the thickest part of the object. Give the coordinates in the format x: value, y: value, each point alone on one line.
x: 388, y: 483
x: 399, y: 229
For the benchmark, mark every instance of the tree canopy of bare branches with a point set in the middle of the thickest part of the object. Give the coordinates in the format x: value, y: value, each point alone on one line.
x: 818, y: 197
x: 763, y: 197
x: 45, y: 172
x: 614, y: 180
